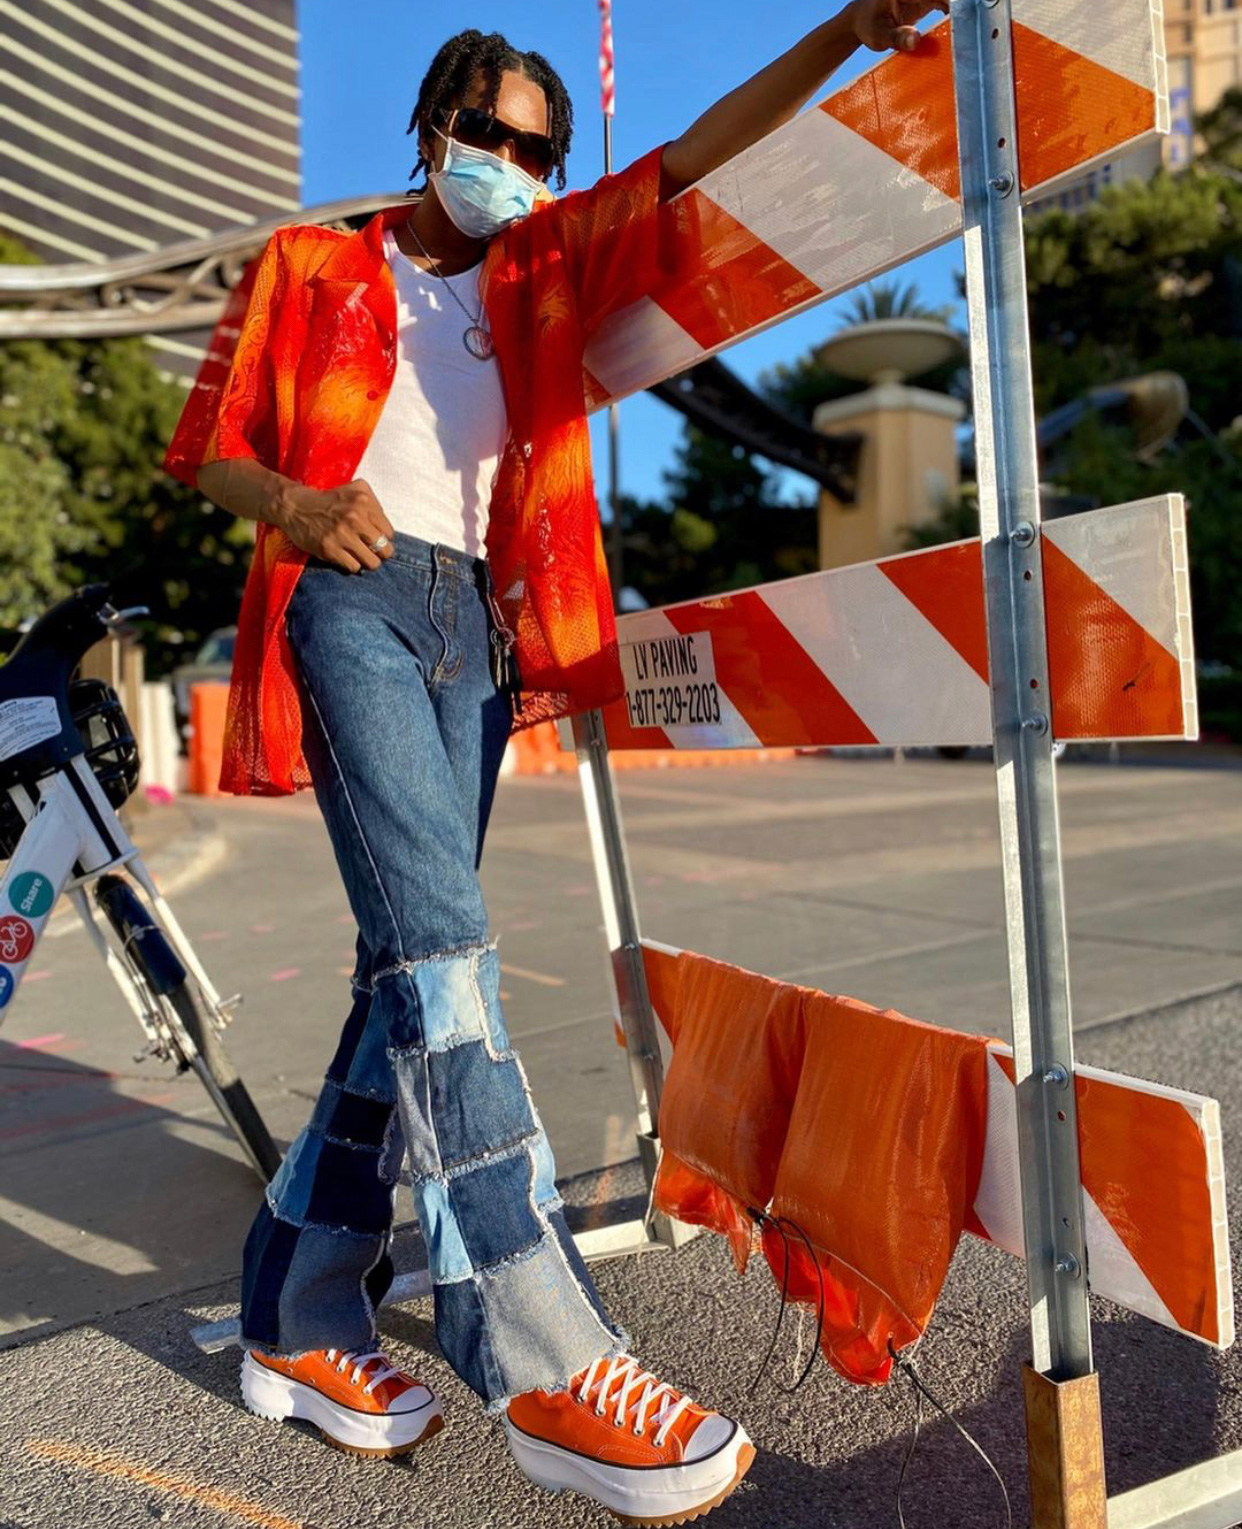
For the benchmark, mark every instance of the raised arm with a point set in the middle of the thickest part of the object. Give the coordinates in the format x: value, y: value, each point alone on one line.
x: 778, y: 92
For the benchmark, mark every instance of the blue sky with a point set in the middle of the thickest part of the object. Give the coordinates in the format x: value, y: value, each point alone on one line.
x: 362, y: 61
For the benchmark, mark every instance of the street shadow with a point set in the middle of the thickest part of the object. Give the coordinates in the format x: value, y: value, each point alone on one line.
x: 118, y: 1187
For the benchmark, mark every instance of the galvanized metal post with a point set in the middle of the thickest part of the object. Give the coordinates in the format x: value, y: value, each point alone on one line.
x: 616, y: 893
x: 1056, y: 1254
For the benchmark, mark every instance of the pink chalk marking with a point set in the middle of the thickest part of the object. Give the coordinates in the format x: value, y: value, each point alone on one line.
x: 286, y: 972
x: 39, y: 1041
x: 214, y: 934
x: 262, y: 928
x: 40, y: 976
x: 345, y: 918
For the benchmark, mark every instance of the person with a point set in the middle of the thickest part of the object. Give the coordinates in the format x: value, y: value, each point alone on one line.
x: 401, y: 410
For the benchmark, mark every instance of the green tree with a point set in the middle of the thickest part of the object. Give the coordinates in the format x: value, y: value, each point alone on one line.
x: 1221, y: 130
x: 889, y: 300
x: 1149, y: 278
x: 83, y: 426
x: 801, y: 385
x: 722, y: 526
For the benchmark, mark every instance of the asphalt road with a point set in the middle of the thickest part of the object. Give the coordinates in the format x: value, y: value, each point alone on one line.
x: 125, y: 1202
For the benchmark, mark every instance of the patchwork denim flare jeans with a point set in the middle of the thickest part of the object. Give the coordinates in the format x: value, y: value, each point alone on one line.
x: 404, y: 733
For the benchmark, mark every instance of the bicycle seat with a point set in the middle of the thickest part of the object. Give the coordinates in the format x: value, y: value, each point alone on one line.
x: 37, y: 731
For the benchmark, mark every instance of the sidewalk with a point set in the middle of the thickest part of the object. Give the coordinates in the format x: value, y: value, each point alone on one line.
x: 124, y: 1422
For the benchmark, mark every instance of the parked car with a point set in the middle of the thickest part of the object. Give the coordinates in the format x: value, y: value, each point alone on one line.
x: 212, y: 664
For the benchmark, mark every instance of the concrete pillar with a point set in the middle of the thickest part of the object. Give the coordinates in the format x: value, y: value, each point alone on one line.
x: 907, y: 469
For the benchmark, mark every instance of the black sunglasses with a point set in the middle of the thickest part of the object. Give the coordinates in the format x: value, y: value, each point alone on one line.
x: 482, y: 130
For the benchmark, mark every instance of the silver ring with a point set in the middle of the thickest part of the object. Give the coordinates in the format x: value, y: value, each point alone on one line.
x: 379, y: 544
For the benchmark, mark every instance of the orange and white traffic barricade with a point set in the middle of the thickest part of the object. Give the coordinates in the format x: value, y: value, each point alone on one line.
x: 1031, y: 635
x: 870, y: 178
x: 895, y: 652
x: 884, y: 1139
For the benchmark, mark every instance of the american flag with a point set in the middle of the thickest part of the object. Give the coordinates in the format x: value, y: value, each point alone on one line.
x: 606, y: 59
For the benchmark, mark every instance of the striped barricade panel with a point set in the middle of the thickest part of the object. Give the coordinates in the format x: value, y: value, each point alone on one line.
x: 869, y: 179
x: 895, y: 652
x: 1153, y: 1182
x: 1153, y: 1176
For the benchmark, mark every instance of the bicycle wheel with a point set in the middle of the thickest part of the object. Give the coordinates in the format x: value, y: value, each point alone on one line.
x: 219, y: 1077
x: 197, y: 1040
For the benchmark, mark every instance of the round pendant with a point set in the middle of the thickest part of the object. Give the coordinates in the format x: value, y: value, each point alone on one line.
x: 478, y: 341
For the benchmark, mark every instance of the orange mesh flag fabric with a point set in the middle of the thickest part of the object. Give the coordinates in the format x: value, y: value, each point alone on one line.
x: 728, y: 1094
x: 861, y: 1128
x: 880, y: 1168
x: 298, y: 378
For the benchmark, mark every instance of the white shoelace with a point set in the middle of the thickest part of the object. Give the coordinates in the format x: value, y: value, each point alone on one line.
x: 343, y: 1358
x: 626, y: 1369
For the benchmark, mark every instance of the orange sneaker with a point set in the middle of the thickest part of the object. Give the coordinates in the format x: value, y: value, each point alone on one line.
x: 359, y: 1402
x: 633, y: 1443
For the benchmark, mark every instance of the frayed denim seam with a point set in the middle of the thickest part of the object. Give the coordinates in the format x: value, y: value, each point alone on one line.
x: 523, y: 1255
x: 321, y: 1226
x: 401, y: 1053
x: 541, y: 1216
x: 558, y: 1388
x: 452, y: 953
x: 349, y: 802
x: 473, y: 1164
x: 364, y: 1093
x: 367, y: 1304
x: 394, y: 1124
x: 352, y: 1146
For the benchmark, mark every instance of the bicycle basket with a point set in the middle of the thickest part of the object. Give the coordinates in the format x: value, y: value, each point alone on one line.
x: 111, y: 749
x: 111, y: 752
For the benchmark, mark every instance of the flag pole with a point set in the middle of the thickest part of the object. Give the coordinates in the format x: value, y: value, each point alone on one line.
x: 608, y: 102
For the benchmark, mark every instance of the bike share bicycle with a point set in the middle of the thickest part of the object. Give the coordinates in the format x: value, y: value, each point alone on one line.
x: 68, y: 760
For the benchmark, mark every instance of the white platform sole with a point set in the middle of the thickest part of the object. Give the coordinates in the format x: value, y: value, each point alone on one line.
x: 637, y: 1496
x: 271, y: 1395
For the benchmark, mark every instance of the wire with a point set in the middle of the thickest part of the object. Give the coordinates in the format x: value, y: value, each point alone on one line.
x: 780, y: 1223
x: 921, y: 1391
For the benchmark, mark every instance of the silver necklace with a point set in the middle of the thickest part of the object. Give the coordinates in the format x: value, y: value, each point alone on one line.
x: 478, y: 338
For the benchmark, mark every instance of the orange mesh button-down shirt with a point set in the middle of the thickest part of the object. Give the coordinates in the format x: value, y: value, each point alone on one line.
x: 296, y: 378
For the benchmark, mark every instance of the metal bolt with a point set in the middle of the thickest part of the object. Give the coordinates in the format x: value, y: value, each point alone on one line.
x: 1057, y: 1075
x: 1037, y: 724
x: 1002, y: 184
x: 1023, y: 534
x: 1068, y: 1265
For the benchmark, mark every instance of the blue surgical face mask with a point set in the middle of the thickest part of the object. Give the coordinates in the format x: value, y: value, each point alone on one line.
x: 482, y: 193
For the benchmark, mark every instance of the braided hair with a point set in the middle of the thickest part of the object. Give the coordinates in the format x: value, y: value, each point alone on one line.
x: 489, y: 54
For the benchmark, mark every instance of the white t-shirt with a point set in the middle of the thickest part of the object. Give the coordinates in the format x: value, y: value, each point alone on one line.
x: 433, y: 458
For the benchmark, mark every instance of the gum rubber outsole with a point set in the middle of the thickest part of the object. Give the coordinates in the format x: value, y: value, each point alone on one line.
x: 745, y: 1459
x: 433, y: 1427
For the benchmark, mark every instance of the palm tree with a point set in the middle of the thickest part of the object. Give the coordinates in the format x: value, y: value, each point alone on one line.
x: 889, y: 300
